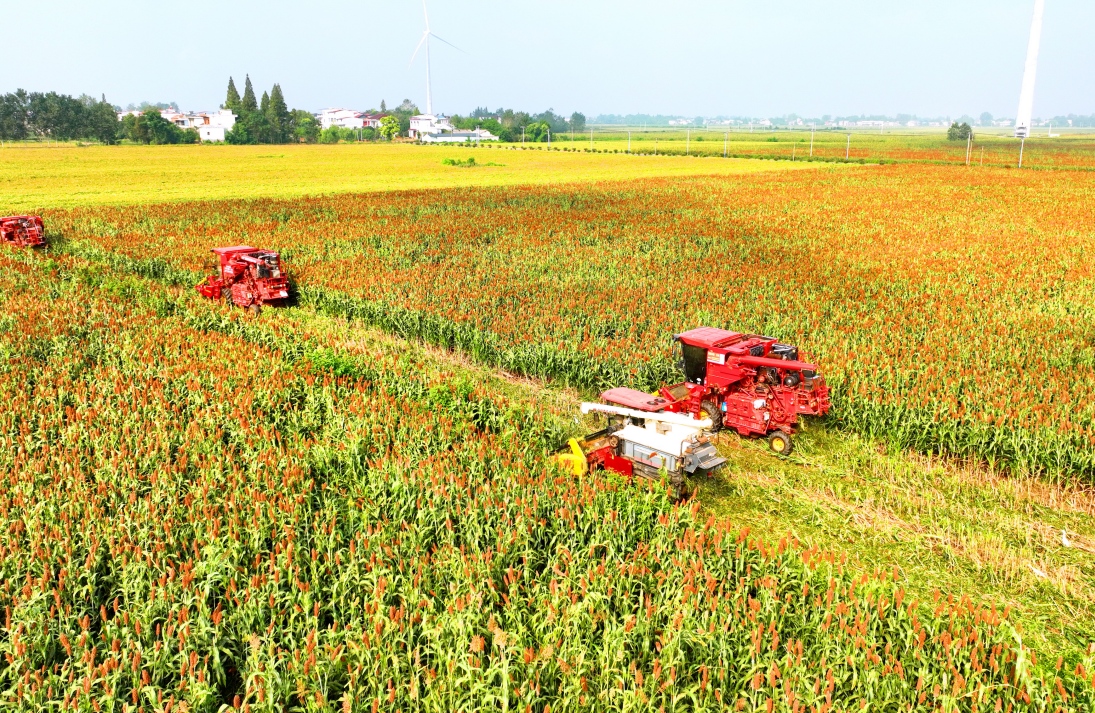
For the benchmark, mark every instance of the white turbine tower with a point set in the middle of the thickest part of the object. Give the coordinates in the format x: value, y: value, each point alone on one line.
x: 426, y: 35
x: 1026, y: 97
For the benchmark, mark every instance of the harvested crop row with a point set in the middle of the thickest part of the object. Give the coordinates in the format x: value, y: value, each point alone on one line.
x: 951, y: 310
x: 190, y: 518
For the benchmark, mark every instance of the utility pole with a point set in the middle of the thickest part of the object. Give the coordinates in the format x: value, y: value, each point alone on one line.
x: 811, y: 140
x: 969, y: 146
x: 982, y: 155
x: 629, y: 142
x: 687, y: 141
x: 848, y: 148
x: 725, y: 143
x: 794, y: 148
x: 549, y: 138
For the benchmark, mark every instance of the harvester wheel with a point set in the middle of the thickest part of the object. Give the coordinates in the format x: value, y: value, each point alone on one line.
x: 254, y: 308
x: 780, y: 443
x: 711, y: 410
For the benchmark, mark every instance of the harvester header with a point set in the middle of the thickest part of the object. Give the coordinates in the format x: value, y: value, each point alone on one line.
x: 645, y: 445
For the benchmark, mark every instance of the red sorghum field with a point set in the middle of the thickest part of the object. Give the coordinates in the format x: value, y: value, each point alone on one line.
x: 207, y: 512
x: 950, y: 308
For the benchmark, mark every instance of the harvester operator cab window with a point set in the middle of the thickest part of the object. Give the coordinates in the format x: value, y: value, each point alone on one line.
x: 269, y: 266
x: 694, y: 363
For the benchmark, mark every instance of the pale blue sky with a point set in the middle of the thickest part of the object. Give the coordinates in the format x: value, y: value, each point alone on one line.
x: 760, y: 58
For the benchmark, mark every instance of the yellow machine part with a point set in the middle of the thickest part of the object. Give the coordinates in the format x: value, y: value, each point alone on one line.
x: 575, y: 460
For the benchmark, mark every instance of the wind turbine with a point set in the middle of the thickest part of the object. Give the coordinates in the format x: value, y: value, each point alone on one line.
x: 426, y: 34
x: 1026, y: 96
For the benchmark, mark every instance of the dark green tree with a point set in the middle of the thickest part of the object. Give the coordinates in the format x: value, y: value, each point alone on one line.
x: 556, y: 122
x: 150, y: 127
x: 278, y: 117
x: 331, y: 135
x: 240, y: 133
x: 101, y: 122
x: 390, y: 127
x: 959, y: 132
x: 304, y: 126
x: 248, y: 103
x: 14, y: 115
x: 577, y: 121
x: 537, y: 131
x: 251, y: 126
x: 232, y: 101
x: 56, y: 116
x: 403, y: 114
x: 266, y: 134
x: 128, y: 128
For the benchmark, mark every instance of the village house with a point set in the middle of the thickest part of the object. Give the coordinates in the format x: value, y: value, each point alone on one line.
x: 342, y: 118
x: 423, y: 124
x: 348, y: 119
x: 372, y: 121
x: 456, y: 137
x: 211, y: 126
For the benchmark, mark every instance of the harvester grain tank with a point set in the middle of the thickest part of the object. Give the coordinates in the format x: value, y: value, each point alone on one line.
x: 643, y: 444
x: 746, y: 382
x: 24, y: 231
x: 248, y: 276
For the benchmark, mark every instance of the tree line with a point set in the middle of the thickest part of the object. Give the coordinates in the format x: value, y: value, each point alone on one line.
x: 514, y: 125
x: 266, y: 120
x: 49, y: 115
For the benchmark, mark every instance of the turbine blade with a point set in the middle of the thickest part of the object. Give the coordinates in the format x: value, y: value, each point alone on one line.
x: 424, y: 36
x: 447, y: 42
x: 426, y: 14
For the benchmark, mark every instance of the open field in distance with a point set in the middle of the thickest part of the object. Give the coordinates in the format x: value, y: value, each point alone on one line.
x: 37, y: 176
x: 1069, y: 149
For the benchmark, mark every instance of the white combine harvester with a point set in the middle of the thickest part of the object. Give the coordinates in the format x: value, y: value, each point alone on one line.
x: 645, y: 444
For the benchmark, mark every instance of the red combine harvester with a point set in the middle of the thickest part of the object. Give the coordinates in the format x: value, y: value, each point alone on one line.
x: 24, y: 231
x: 752, y: 384
x: 250, y: 276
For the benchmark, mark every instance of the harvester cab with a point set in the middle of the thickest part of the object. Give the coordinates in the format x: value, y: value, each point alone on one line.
x: 23, y: 231
x: 753, y: 384
x: 643, y: 444
x: 250, y: 277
